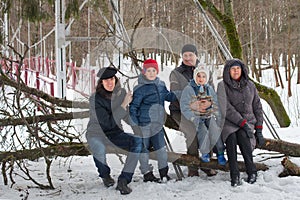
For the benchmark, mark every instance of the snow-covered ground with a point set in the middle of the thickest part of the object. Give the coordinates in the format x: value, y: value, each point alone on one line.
x: 76, y: 177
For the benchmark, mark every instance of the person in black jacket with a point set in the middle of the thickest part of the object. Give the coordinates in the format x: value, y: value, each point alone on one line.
x: 108, y: 106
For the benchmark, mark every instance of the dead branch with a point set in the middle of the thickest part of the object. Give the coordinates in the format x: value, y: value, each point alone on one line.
x: 44, y: 118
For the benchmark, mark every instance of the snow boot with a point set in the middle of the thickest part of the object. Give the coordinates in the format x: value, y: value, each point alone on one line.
x: 221, y: 159
x: 252, y: 178
x: 108, y: 181
x: 164, y: 174
x: 150, y: 177
x: 205, y: 158
x: 122, y: 187
x: 236, y: 181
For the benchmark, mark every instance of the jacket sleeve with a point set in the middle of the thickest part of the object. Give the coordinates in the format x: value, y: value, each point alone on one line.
x: 175, y: 85
x: 134, y: 107
x: 106, y: 118
x: 257, y: 110
x: 215, y: 105
x: 171, y: 96
x: 185, y: 102
x: 227, y: 109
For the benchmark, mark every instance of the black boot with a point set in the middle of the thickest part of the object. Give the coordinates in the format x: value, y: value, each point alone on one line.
x: 164, y: 173
x: 122, y: 187
x: 108, y: 181
x: 150, y: 177
x: 252, y: 178
x: 236, y: 181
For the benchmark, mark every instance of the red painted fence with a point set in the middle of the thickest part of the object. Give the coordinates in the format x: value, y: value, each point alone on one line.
x: 40, y: 73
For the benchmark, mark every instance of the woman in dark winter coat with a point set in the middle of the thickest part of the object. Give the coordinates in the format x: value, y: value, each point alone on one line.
x: 107, y: 108
x: 147, y: 113
x: 240, y: 105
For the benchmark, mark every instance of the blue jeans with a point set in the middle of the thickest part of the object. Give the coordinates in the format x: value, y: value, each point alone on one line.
x: 209, y: 136
x: 157, y: 141
x: 126, y: 141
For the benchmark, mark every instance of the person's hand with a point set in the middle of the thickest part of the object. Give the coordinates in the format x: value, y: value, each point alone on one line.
x: 248, y: 130
x: 127, y: 99
x: 195, y: 106
x: 204, y: 104
x: 259, y: 137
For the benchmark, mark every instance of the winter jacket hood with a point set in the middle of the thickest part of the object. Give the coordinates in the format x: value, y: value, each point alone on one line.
x: 226, y: 74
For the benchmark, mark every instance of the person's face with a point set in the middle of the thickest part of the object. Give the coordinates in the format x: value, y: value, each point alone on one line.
x: 150, y: 73
x: 189, y: 58
x: 235, y: 72
x: 109, y: 84
x: 201, y: 78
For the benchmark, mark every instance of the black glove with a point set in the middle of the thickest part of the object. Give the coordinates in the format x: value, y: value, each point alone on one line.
x: 259, y: 137
x: 137, y: 131
x: 248, y: 130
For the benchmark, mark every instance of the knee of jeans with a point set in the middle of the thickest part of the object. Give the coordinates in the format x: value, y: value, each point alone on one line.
x: 137, y: 145
x: 97, y: 147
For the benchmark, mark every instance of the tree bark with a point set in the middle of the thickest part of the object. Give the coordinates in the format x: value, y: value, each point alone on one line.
x: 80, y: 149
x: 290, y: 168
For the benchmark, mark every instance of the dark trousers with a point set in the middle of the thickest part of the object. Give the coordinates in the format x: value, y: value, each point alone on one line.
x: 239, y: 138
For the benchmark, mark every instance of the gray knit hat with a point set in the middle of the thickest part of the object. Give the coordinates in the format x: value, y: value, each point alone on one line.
x: 189, y: 48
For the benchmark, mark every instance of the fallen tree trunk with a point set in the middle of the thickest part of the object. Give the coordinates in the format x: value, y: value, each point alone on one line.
x: 286, y: 148
x: 80, y: 149
x: 290, y: 168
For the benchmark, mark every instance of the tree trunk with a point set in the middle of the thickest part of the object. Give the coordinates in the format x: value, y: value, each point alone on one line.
x: 226, y: 20
x: 80, y: 149
x: 290, y: 168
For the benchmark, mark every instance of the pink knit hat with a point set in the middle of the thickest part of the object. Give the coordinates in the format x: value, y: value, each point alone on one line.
x: 150, y: 63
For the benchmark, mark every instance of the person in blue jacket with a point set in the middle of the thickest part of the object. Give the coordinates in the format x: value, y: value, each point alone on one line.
x: 206, y: 120
x: 108, y: 106
x: 148, y: 116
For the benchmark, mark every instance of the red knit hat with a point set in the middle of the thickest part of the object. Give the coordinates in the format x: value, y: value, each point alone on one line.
x: 150, y: 63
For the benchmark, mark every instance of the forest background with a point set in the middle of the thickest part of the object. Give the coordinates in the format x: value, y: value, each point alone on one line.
x: 268, y: 39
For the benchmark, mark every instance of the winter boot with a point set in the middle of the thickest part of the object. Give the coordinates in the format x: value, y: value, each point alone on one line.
x: 122, y: 187
x: 236, y: 181
x: 221, y: 159
x: 108, y: 181
x: 164, y: 174
x: 150, y: 177
x: 205, y: 157
x: 252, y: 178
